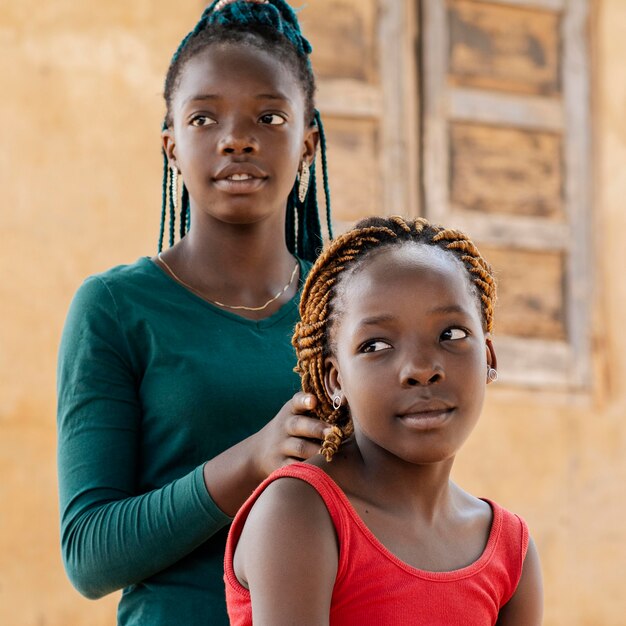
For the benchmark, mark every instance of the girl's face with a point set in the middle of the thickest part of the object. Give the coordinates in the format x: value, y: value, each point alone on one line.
x: 238, y: 133
x: 410, y: 354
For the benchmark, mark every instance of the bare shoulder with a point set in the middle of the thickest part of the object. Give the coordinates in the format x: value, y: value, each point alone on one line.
x: 288, y: 503
x: 287, y: 555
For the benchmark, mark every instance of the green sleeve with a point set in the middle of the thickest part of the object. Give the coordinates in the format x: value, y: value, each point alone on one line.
x: 111, y: 535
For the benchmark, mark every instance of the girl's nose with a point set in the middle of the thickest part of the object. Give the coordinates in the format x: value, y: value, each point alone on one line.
x: 237, y: 140
x: 421, y: 370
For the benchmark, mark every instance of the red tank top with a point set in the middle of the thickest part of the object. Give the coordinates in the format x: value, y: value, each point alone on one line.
x: 375, y: 588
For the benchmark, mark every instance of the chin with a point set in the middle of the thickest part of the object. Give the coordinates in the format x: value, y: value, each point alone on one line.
x: 430, y: 457
x: 240, y: 216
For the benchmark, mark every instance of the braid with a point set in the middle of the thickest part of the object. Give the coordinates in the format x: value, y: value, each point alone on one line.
x: 185, y: 216
x: 277, y: 14
x: 319, y: 305
x: 270, y: 26
x: 478, y: 268
x: 320, y: 127
x: 165, y: 185
x: 172, y: 203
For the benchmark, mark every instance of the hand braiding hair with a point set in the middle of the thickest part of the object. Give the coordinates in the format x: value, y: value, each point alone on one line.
x: 318, y: 304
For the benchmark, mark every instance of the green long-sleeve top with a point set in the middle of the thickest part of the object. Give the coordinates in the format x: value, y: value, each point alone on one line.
x: 153, y: 381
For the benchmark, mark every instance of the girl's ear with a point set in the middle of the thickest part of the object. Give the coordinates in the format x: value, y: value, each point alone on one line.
x: 169, y: 146
x: 311, y: 141
x: 492, y: 360
x: 332, y: 378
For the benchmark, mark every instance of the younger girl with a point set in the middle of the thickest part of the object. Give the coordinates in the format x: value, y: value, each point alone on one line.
x: 394, y: 342
x: 173, y: 370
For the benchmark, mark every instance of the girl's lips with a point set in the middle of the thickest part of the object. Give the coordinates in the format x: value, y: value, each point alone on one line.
x: 239, y: 169
x: 249, y: 185
x: 426, y: 420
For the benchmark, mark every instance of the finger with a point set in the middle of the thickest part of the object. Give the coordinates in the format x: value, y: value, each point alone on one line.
x: 307, y: 427
x: 303, y: 402
x: 301, y: 449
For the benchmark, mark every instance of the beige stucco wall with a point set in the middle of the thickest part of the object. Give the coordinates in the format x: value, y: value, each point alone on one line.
x: 80, y: 176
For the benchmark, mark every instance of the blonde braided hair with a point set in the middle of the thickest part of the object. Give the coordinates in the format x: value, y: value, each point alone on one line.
x: 318, y: 304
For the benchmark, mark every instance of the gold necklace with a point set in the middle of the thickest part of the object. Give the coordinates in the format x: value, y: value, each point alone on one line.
x: 234, y: 307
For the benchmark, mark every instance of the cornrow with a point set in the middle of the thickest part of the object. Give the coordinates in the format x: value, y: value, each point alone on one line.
x: 319, y: 301
x: 273, y: 26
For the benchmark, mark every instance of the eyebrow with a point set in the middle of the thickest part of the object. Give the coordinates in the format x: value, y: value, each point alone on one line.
x: 450, y: 308
x: 206, y: 96
x: 273, y: 96
x: 376, y: 319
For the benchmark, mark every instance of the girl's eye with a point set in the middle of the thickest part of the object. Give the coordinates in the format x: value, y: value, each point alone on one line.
x: 453, y: 334
x: 375, y: 346
x: 202, y: 120
x: 273, y: 119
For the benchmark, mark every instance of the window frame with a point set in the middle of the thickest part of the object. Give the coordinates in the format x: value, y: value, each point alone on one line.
x: 524, y: 362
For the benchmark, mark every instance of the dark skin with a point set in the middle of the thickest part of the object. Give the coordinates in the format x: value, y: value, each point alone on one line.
x: 410, y: 358
x: 238, y: 136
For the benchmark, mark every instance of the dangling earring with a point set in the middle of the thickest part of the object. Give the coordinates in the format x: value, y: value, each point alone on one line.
x: 492, y: 375
x: 336, y: 402
x: 174, y: 188
x: 303, y: 183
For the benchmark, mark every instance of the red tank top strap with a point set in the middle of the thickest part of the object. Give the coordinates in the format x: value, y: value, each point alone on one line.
x: 512, y: 543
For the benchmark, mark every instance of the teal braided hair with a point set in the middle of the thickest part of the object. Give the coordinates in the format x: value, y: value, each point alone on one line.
x: 269, y: 26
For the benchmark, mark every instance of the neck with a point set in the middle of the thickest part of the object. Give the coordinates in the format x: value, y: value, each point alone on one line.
x: 246, y: 266
x: 250, y: 254
x: 396, y: 485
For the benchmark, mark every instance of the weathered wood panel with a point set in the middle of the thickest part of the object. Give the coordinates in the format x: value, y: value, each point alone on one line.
x: 504, y: 48
x: 506, y: 170
x: 353, y: 147
x: 531, y: 293
x: 343, y: 34
x: 367, y: 93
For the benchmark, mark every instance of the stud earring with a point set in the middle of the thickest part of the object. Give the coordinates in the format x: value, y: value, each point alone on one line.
x: 303, y: 183
x: 174, y: 188
x: 492, y: 375
x: 336, y: 402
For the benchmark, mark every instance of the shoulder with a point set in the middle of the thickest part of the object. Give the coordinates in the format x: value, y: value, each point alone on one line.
x: 512, y: 531
x: 287, y: 553
x: 288, y: 504
x: 525, y: 607
x: 104, y: 300
x: 287, y: 494
x: 518, y: 554
x: 125, y: 277
x: 117, y: 279
x: 120, y: 290
x: 287, y: 514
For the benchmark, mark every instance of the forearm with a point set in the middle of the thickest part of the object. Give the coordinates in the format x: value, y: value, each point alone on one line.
x: 112, y: 545
x: 232, y: 476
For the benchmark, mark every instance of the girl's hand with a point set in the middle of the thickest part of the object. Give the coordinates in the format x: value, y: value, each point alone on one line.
x: 293, y: 435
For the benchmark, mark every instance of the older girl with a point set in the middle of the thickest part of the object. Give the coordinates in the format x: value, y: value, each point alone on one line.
x: 173, y: 370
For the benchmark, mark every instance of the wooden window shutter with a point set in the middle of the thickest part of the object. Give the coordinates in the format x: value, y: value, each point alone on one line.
x: 506, y: 158
x: 364, y: 60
